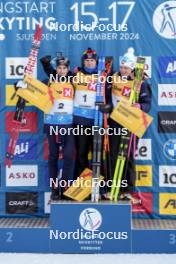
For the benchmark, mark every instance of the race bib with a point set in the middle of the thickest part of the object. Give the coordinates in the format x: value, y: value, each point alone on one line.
x: 62, y: 107
x: 85, y: 99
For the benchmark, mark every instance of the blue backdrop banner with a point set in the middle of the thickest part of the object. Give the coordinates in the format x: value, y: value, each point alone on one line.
x: 147, y: 26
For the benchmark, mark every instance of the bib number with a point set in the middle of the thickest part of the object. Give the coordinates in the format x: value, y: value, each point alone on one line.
x: 83, y: 99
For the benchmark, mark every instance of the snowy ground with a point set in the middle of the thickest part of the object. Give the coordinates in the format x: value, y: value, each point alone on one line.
x: 87, y: 259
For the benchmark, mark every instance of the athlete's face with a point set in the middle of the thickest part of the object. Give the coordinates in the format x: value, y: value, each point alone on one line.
x: 62, y: 70
x: 90, y: 63
x: 125, y: 71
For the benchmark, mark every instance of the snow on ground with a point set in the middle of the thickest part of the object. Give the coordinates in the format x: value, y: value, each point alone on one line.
x: 87, y: 259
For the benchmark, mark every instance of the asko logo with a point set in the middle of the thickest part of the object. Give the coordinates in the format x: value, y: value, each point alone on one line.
x: 15, y: 67
x: 23, y: 175
x: 167, y: 94
x: 167, y: 66
x: 29, y: 124
x: 144, y: 150
x: 167, y: 176
x: 21, y: 202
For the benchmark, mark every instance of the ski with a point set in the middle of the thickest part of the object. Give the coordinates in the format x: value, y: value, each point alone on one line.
x: 124, y: 148
x: 106, y: 144
x: 97, y: 138
x: 104, y: 68
x: 18, y: 117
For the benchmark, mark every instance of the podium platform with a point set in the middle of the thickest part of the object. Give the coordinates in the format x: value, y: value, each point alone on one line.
x: 87, y: 228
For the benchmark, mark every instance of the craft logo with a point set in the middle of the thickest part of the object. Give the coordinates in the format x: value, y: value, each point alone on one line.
x: 23, y: 175
x: 25, y: 149
x: 166, y: 122
x: 167, y: 203
x: 15, y: 67
x: 144, y: 149
x: 167, y: 176
x: 167, y: 66
x: 167, y: 94
x: 15, y: 17
x: 21, y: 202
x: 169, y: 149
x: 144, y: 175
x: 90, y: 219
x: 164, y: 19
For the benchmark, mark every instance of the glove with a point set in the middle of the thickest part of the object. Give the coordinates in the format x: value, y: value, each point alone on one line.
x: 21, y: 84
x: 105, y: 108
x: 136, y: 105
x: 45, y: 60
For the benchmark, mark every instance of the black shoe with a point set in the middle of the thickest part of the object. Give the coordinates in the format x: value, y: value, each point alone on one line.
x: 55, y: 196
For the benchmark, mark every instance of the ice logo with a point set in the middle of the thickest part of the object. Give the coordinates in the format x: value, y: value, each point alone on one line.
x: 164, y: 19
x: 169, y: 149
x: 90, y: 219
